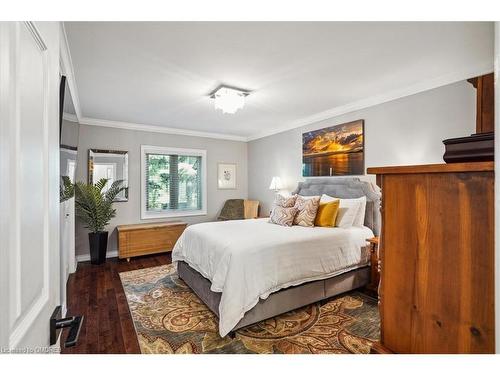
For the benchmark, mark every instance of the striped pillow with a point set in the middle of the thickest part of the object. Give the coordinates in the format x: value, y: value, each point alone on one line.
x: 283, y: 215
x: 306, y: 211
x: 281, y: 201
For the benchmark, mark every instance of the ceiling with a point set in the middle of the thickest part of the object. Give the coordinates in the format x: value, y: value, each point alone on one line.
x: 160, y: 73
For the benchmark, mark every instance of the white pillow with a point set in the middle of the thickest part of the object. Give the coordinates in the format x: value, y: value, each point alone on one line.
x: 360, y: 217
x: 347, y: 214
x: 327, y: 199
x: 351, y: 211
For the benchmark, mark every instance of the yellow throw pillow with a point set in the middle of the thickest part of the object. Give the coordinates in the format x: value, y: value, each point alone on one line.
x: 327, y: 214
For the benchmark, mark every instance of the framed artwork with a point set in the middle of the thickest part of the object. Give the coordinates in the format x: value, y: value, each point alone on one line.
x: 226, y: 176
x: 334, y: 151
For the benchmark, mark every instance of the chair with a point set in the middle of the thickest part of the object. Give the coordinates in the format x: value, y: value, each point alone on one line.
x: 238, y: 209
x: 251, y: 209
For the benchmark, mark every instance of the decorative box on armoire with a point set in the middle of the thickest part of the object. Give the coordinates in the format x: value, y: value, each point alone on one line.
x: 437, y: 258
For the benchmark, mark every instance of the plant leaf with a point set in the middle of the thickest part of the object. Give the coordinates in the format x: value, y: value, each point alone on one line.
x: 93, y: 207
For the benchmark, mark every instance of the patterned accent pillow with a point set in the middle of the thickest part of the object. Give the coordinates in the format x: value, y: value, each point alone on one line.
x: 283, y: 215
x: 281, y: 201
x: 307, y: 209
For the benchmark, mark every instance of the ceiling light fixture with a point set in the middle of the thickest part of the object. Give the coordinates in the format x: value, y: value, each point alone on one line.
x: 229, y: 99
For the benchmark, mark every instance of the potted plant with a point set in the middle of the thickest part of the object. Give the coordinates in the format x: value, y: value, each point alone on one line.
x: 95, y: 208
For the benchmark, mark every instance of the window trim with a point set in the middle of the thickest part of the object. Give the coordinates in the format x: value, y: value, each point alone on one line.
x: 145, y: 214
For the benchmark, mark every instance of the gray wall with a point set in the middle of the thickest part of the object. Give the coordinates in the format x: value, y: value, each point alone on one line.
x: 69, y: 137
x: 404, y: 131
x: 131, y: 141
x: 69, y: 134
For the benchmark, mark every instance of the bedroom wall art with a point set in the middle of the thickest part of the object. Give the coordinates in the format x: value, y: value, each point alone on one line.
x: 226, y: 176
x: 334, y: 151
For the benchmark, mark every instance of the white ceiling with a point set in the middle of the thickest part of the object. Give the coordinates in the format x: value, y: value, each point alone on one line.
x: 160, y: 73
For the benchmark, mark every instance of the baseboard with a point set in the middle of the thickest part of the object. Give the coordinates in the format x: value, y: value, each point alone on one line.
x: 86, y: 257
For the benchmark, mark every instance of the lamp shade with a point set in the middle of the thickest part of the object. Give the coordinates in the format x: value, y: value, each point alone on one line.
x: 276, y: 184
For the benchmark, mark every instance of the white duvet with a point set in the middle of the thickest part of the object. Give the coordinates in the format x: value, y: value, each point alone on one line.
x: 249, y: 259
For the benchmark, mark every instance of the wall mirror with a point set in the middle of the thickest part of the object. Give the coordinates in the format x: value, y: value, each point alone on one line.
x: 112, y: 165
x: 68, y: 134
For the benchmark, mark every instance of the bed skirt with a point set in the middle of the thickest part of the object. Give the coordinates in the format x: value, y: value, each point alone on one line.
x: 281, y: 301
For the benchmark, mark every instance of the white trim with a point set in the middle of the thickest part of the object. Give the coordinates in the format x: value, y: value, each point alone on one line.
x: 70, y: 117
x: 27, y: 320
x: 379, y: 99
x: 67, y: 69
x: 86, y: 257
x: 46, y: 180
x: 357, y: 105
x: 158, y: 129
x: 170, y: 214
x: 6, y: 188
x: 36, y: 35
x: 168, y: 151
x: 320, y: 116
x: 16, y: 219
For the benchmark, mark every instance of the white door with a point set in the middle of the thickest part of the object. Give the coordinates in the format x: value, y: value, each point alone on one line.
x: 29, y: 184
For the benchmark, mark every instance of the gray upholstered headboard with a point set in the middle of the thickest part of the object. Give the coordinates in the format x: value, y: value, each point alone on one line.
x: 347, y: 187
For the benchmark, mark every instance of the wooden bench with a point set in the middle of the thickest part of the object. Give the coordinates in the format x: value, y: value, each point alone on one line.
x: 151, y: 238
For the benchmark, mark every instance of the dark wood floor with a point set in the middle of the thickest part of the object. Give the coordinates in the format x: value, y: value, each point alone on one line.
x: 96, y: 292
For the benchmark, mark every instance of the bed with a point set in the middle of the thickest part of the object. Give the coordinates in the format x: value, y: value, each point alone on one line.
x: 246, y: 271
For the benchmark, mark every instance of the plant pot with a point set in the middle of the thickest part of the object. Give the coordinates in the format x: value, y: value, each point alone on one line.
x: 98, y: 245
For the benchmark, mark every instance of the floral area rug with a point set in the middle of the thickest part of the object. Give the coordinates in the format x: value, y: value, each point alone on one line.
x: 170, y: 318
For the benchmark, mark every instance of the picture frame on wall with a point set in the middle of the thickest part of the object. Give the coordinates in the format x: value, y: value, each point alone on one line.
x: 334, y: 151
x: 226, y: 176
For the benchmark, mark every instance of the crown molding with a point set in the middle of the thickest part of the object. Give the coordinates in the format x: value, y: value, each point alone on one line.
x: 431, y: 84
x: 453, y: 77
x: 69, y: 117
x: 379, y: 99
x: 68, y: 71
x: 158, y: 129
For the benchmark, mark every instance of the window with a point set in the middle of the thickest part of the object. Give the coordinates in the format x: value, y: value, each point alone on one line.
x: 173, y: 182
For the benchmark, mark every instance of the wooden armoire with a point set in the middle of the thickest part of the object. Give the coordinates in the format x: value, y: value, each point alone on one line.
x: 437, y: 258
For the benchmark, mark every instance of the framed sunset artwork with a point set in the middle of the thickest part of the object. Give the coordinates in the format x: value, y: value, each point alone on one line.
x: 334, y: 151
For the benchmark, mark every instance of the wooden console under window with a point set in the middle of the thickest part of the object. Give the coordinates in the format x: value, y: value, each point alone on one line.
x: 151, y: 238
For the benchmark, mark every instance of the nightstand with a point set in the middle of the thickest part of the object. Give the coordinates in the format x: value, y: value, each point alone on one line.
x: 375, y: 273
